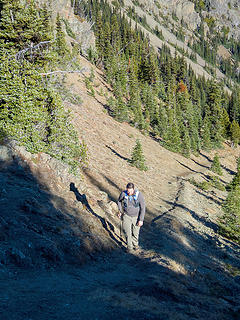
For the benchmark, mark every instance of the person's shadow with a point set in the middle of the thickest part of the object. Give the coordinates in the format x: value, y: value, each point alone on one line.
x: 106, y: 224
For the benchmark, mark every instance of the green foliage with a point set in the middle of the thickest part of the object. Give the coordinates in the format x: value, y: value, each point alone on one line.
x: 216, y: 183
x: 216, y: 165
x: 210, y: 22
x: 69, y: 29
x: 89, y: 87
x: 235, y: 133
x: 236, y: 179
x: 60, y: 42
x: 158, y: 93
x: 31, y: 112
x: 230, y: 221
x: 212, y: 182
x: 137, y: 158
x: 238, y: 163
x: 204, y: 185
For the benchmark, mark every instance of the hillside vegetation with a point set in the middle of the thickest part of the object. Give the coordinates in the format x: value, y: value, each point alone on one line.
x: 158, y: 93
x: 111, y: 113
x: 31, y: 110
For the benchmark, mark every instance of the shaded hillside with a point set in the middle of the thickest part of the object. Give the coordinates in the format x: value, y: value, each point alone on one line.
x: 46, y: 219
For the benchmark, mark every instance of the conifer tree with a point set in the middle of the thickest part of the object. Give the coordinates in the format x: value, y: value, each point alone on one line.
x: 230, y: 221
x: 226, y: 124
x: 234, y: 105
x: 100, y: 43
x: 120, y: 111
x: 236, y: 179
x: 215, y: 113
x: 137, y: 157
x: 186, y: 143
x: 216, y: 165
x: 173, y: 139
x: 60, y: 42
x: 12, y: 24
x: 30, y: 111
x: 206, y: 137
x: 235, y: 133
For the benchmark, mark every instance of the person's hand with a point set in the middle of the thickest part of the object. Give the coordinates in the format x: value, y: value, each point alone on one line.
x: 119, y: 214
x: 140, y: 223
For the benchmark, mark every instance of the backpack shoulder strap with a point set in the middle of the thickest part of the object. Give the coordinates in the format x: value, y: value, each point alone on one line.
x: 136, y: 195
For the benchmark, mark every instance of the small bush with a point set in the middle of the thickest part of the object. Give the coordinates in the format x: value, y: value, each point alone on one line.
x: 216, y: 165
x: 216, y: 183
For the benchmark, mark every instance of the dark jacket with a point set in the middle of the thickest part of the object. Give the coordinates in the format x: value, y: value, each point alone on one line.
x: 132, y: 208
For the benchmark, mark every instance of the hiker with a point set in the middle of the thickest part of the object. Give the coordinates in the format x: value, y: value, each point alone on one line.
x: 131, y: 207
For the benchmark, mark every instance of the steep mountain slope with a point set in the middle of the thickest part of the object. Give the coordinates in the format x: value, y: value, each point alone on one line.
x: 52, y: 222
x: 160, y: 15
x: 184, y: 270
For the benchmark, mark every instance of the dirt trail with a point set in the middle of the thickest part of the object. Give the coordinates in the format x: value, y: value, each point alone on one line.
x: 181, y: 272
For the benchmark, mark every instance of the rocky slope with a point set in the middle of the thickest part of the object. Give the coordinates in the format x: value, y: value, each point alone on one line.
x: 175, y: 15
x: 46, y: 216
x: 225, y: 13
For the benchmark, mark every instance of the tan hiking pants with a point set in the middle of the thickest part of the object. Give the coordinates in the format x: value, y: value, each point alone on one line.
x: 131, y: 230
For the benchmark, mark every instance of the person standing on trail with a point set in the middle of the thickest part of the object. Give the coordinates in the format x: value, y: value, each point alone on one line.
x: 131, y: 207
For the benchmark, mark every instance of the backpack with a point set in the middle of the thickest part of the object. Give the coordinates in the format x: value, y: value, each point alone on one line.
x: 135, y: 198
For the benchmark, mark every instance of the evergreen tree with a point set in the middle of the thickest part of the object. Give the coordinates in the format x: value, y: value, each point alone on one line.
x: 230, y: 221
x: 215, y: 113
x: 216, y: 165
x: 173, y: 139
x: 226, y: 124
x: 21, y: 25
x: 236, y: 179
x: 206, y: 136
x: 186, y: 144
x: 162, y: 93
x: 30, y: 111
x: 137, y: 157
x: 120, y: 111
x: 234, y: 105
x: 235, y: 133
x: 60, y: 42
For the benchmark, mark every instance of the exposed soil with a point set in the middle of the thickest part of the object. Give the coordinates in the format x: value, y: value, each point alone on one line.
x: 184, y: 269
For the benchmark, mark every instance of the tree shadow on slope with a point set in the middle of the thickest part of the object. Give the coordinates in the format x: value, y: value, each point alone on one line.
x: 231, y: 172
x: 118, y: 154
x: 103, y: 187
x: 206, y: 176
x: 179, y: 274
x: 38, y: 228
x: 107, y: 225
x: 202, y: 265
x: 200, y: 164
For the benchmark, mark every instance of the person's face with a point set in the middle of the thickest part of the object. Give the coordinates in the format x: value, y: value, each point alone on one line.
x: 130, y: 191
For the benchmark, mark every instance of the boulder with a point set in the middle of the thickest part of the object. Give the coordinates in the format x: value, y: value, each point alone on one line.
x: 23, y: 153
x: 103, y: 196
x: 113, y: 206
x: 5, y: 154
